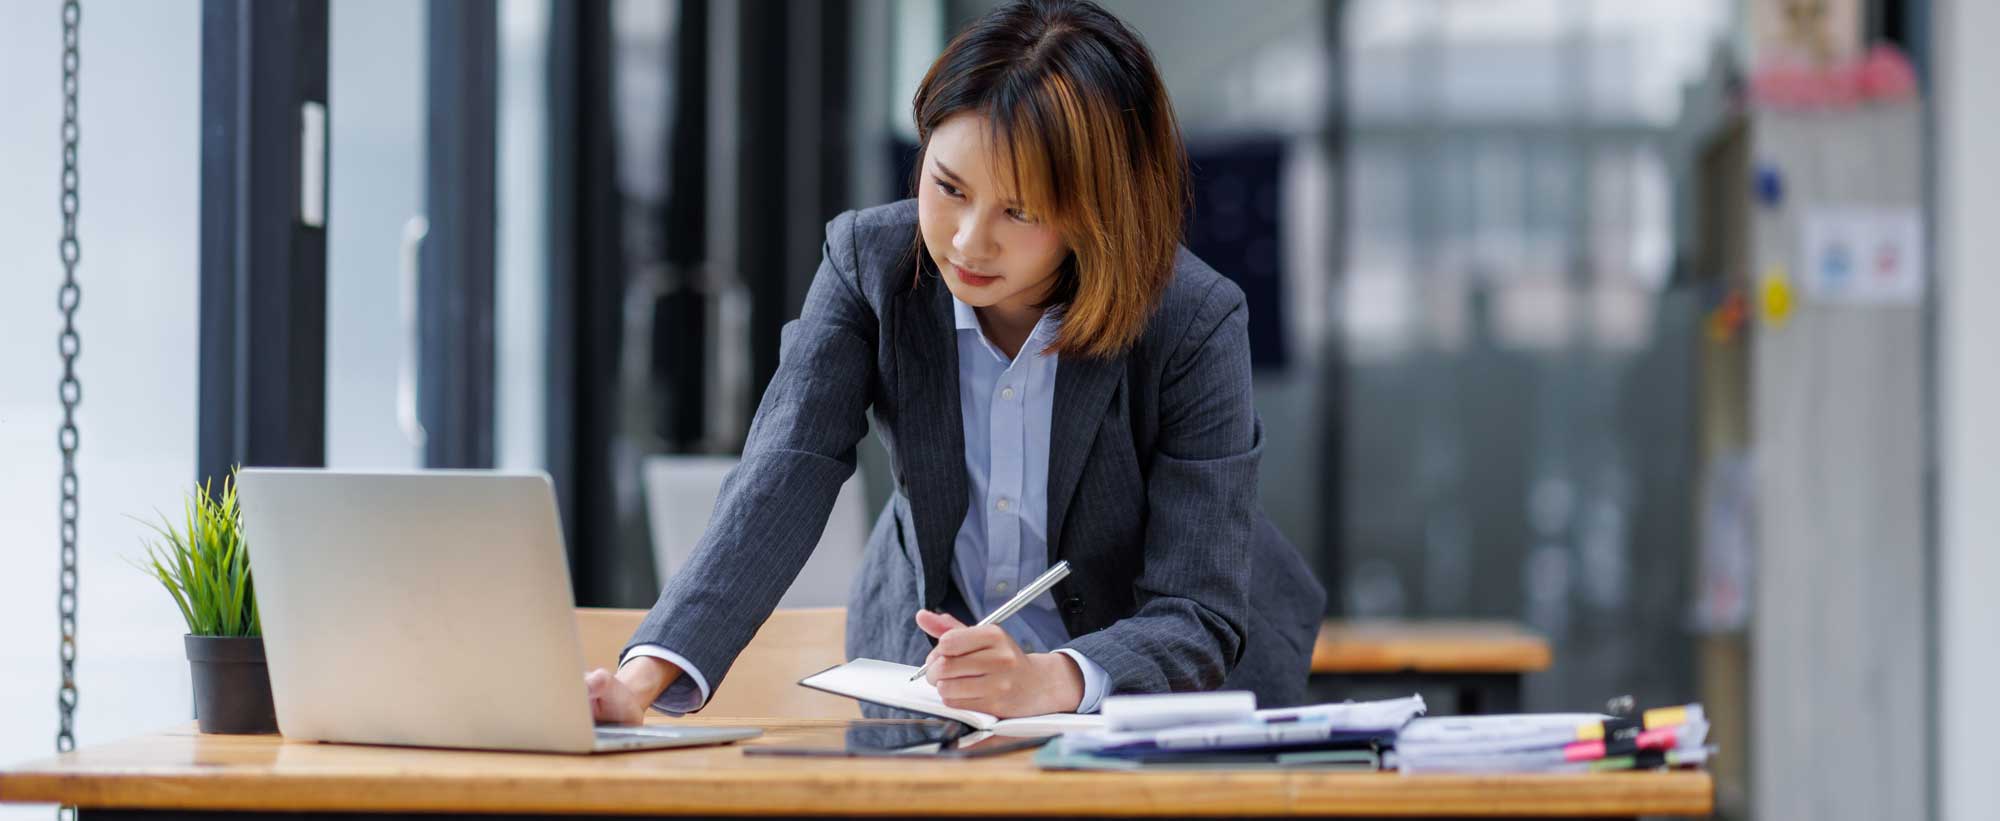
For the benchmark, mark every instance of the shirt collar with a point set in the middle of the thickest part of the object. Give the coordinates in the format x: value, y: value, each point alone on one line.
x: 967, y: 320
x: 1045, y: 330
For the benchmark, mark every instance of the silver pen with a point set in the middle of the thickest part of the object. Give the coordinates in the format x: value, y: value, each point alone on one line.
x: 1040, y: 585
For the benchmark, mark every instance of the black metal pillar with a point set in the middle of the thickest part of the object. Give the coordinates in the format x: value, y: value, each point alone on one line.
x: 1330, y: 554
x: 791, y: 158
x: 455, y: 388
x: 264, y: 163
x: 586, y: 276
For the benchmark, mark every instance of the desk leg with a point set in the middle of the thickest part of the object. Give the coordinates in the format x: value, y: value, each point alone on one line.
x: 1469, y: 693
x: 1484, y: 694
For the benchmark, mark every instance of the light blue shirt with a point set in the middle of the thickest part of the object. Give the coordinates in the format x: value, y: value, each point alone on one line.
x: 1006, y: 405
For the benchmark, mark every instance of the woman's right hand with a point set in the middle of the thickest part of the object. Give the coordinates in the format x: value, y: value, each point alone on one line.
x: 622, y: 697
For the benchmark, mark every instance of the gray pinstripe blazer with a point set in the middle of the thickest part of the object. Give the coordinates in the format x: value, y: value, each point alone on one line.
x: 1178, y: 580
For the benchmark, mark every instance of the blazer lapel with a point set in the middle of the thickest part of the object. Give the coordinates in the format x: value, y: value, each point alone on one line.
x: 931, y: 441
x: 1083, y: 395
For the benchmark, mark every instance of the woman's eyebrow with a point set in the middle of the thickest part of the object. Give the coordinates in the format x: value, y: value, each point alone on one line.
x: 949, y: 174
x: 961, y: 183
x: 1013, y: 202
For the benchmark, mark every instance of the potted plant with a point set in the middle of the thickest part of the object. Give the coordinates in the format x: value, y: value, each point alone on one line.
x: 205, y: 566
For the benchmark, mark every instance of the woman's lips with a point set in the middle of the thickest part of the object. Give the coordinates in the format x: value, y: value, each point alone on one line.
x: 974, y: 279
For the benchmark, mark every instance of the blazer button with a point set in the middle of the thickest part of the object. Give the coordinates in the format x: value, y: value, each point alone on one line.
x: 1073, y: 605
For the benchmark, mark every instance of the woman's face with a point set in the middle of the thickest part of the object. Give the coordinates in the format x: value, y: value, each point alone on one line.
x: 989, y: 251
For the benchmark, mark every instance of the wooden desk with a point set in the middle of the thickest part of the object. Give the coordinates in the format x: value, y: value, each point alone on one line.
x: 182, y: 774
x: 1483, y: 662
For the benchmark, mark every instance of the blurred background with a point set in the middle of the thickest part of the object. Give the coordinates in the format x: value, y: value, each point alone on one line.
x: 1651, y: 325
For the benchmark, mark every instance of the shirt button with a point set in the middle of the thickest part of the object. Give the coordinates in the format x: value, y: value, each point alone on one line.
x: 1002, y: 504
x: 1000, y: 587
x: 1007, y: 392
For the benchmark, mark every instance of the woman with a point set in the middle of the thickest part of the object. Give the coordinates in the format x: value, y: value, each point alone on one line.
x: 1055, y: 378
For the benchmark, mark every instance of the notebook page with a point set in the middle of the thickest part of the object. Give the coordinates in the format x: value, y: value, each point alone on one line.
x: 1048, y: 724
x: 889, y: 684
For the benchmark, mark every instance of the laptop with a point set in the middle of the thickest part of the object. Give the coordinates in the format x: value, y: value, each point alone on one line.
x: 427, y: 609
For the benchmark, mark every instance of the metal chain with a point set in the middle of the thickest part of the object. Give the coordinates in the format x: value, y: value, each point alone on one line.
x: 71, y: 391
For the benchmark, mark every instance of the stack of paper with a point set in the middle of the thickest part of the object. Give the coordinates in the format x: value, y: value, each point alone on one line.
x: 1211, y: 735
x: 1554, y: 742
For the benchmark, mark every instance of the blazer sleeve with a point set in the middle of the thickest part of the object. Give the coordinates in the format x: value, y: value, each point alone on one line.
x: 1201, y: 496
x: 774, y: 504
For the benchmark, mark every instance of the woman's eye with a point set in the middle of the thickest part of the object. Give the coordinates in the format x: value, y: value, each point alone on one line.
x: 1020, y: 215
x: 947, y: 189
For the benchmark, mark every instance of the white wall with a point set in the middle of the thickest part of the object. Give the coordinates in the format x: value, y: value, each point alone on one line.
x: 140, y: 157
x: 1968, y: 244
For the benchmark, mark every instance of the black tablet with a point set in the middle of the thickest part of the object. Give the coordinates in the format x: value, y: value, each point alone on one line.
x: 932, y: 738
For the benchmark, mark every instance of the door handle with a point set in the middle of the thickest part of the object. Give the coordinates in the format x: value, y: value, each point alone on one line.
x: 414, y: 231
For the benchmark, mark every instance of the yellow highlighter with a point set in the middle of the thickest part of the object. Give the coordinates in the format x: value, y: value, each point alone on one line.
x: 1650, y: 720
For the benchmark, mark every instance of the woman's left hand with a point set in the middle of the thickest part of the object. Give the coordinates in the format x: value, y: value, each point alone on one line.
x: 981, y: 668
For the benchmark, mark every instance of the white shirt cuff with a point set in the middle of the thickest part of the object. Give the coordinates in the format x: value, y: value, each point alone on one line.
x: 690, y: 689
x: 1094, y: 680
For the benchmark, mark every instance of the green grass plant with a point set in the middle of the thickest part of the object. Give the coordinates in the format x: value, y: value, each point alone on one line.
x: 205, y: 564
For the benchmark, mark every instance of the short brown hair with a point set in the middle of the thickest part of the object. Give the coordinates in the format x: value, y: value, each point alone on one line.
x: 1092, y: 146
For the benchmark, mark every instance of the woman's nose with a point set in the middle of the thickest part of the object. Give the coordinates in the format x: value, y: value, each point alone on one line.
x: 972, y: 241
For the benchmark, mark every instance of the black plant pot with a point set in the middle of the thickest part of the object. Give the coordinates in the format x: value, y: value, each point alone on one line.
x: 232, y: 685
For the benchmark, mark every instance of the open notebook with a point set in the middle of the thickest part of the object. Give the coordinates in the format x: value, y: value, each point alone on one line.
x: 888, y: 684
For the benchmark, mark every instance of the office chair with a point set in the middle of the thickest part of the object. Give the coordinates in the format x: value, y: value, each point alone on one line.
x: 680, y: 494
